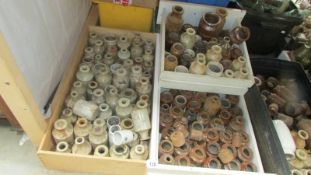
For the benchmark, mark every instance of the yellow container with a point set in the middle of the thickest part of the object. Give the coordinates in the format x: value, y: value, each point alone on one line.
x: 124, y: 17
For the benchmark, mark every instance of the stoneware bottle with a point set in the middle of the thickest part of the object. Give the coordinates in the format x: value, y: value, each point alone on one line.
x: 128, y: 64
x: 121, y: 78
x: 79, y: 87
x: 149, y: 45
x: 170, y: 62
x: 72, y: 98
x: 112, y: 97
x: 127, y: 124
x: 139, y: 152
x: 124, y: 108
x: 222, y: 13
x: 98, y: 96
x: 91, y: 86
x: 84, y: 74
x: 174, y: 20
x: 63, y: 147
x: 170, y: 39
x: 214, y: 53
x: 124, y: 42
x: 104, y: 111
x: 108, y: 59
x: 148, y: 55
x: 198, y: 66
x: 121, y: 151
x: 81, y: 146
x: 62, y: 131
x: 143, y: 87
x: 239, y: 34
x: 136, y: 49
x: 209, y: 25
x: 188, y: 38
x: 92, y: 38
x: 99, y: 47
x: 135, y: 74
x: 141, y: 120
x: 103, y: 76
x: 130, y: 94
x: 86, y: 109
x: 238, y: 63
x: 82, y: 128
x: 110, y: 40
x: 101, y: 151
x: 214, y: 69
x: 242, y: 73
x: 98, y: 136
x: 124, y: 54
x: 68, y: 115
x: 89, y: 52
x: 177, y: 49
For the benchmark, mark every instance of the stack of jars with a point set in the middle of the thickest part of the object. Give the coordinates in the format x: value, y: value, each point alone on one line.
x: 107, y: 112
x: 203, y: 130
x: 206, y: 49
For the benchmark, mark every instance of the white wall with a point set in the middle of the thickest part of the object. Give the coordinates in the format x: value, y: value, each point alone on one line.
x: 42, y: 35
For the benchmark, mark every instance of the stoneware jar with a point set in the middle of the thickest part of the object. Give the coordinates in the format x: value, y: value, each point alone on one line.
x: 103, y: 76
x: 91, y: 86
x: 139, y: 152
x: 212, y: 105
x: 84, y: 73
x: 112, y: 97
x: 181, y: 69
x: 129, y: 94
x: 63, y: 147
x: 92, y: 38
x: 238, y: 63
x: 170, y: 62
x: 104, y: 111
x: 98, y: 136
x: 89, y: 52
x: 222, y: 13
x: 81, y: 146
x: 62, y: 131
x: 112, y: 129
x: 242, y: 73
x: 239, y: 34
x: 148, y: 55
x: 72, y: 98
x: 108, y: 59
x: 99, y: 47
x: 188, y: 38
x: 135, y: 74
x: 177, y: 49
x: 186, y: 59
x: 209, y: 25
x: 101, y: 151
x: 174, y: 20
x: 110, y: 40
x: 124, y: 54
x: 68, y: 115
x: 113, y: 120
x: 198, y: 66
x: 143, y: 87
x: 124, y: 108
x: 82, y: 128
x: 79, y: 87
x: 127, y: 124
x: 98, y: 96
x: 124, y: 42
x: 121, y: 78
x: 170, y: 39
x: 86, y: 109
x: 149, y: 45
x: 136, y: 50
x: 121, y: 151
x: 214, y: 53
x: 214, y: 69
x: 140, y: 116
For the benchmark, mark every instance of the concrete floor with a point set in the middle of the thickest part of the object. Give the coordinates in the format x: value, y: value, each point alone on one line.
x: 16, y: 159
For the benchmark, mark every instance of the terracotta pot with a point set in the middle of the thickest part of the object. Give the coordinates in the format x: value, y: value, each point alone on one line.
x: 225, y: 155
x: 101, y: 151
x: 212, y: 149
x: 92, y: 38
x: 174, y: 20
x: 170, y: 62
x: 183, y: 150
x: 239, y: 34
x: 211, y: 162
x: 212, y: 105
x: 209, y: 25
x: 245, y: 154
x: 196, y: 132
x: 177, y: 138
x: 124, y: 108
x: 233, y: 165
x: 72, y: 98
x: 143, y: 87
x: 250, y: 167
x: 180, y: 101
x: 182, y: 161
x: 211, y: 135
x: 166, y: 147
x: 84, y: 73
x: 197, y: 155
x: 167, y: 159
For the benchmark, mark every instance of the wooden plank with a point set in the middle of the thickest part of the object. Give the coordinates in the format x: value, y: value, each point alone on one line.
x: 271, y: 152
x: 7, y: 113
x: 17, y: 95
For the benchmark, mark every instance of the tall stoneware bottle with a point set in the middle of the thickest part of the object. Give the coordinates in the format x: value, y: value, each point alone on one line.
x: 140, y: 116
x: 174, y: 20
x: 62, y: 131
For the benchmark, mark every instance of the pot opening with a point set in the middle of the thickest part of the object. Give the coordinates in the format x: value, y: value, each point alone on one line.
x: 167, y: 146
x: 178, y: 9
x: 234, y: 165
x: 213, y: 149
x: 211, y: 18
x: 199, y: 153
x: 243, y: 33
x: 120, y: 149
x: 62, y: 146
x: 101, y: 150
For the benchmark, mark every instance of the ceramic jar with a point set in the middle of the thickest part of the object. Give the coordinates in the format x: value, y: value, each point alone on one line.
x: 86, y: 109
x: 103, y: 76
x: 98, y: 96
x: 226, y: 48
x: 108, y: 59
x: 123, y: 137
x: 177, y: 49
x: 222, y: 13
x: 124, y: 54
x: 242, y: 73
x: 127, y: 124
x: 148, y: 55
x: 112, y: 129
x: 67, y: 114
x: 101, y: 151
x: 121, y: 151
x: 121, y: 79
x: 186, y: 59
x: 238, y: 63
x: 136, y: 73
x: 174, y: 20
x: 81, y: 146
x: 112, y: 97
x: 72, y: 99
x: 82, y: 128
x: 110, y: 40
x: 63, y: 147
x: 139, y: 152
x: 141, y: 120
x: 129, y: 94
x: 98, y: 136
x: 167, y: 159
x: 209, y: 25
x: 62, y: 131
x: 104, y: 111
x: 212, y: 105
x: 89, y: 52
x: 99, y: 47
x: 214, y: 69
x: 200, y: 46
x: 79, y: 87
x: 198, y: 66
x: 239, y: 34
x: 214, y: 53
x: 91, y: 86
x: 170, y: 62
x: 188, y: 38
x: 84, y: 74
x: 92, y: 38
x: 143, y: 87
x: 124, y: 108
x: 124, y: 42
x: 181, y: 69
x: 136, y: 49
x: 170, y: 39
x: 300, y: 139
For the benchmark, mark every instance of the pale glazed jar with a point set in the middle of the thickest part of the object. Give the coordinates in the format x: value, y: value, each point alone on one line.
x: 110, y: 40
x: 89, y: 52
x: 124, y: 42
x: 121, y: 79
x: 238, y: 63
x: 123, y: 137
x: 149, y: 45
x: 214, y: 53
x: 99, y: 47
x: 170, y: 62
x: 108, y: 59
x: 62, y: 131
x: 82, y: 128
x: 84, y: 73
x: 63, y: 147
x: 101, y: 151
x: 68, y: 115
x: 98, y: 136
x: 124, y: 54
x: 174, y: 20
x: 98, y: 58
x: 81, y: 146
x: 228, y: 73
x: 127, y: 124
x: 140, y: 116
x: 88, y: 61
x: 79, y: 87
x: 124, y: 108
x: 112, y: 129
x: 214, y: 69
x: 121, y: 151
x: 72, y: 98
x: 143, y: 87
x: 86, y: 109
x: 98, y: 96
x: 100, y: 123
x: 198, y: 66
x: 148, y: 55
x: 104, y: 111
x: 130, y: 94
x: 128, y: 64
x: 188, y: 38
x: 112, y: 97
x: 148, y: 66
x: 136, y: 73
x: 139, y: 152
x: 135, y: 140
x: 136, y: 49
x: 103, y: 76
x: 92, y: 38
x: 91, y: 86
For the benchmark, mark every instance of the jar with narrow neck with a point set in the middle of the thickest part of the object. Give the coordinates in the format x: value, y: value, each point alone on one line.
x: 98, y: 96
x: 174, y: 20
x: 188, y: 38
x: 136, y: 49
x: 124, y: 108
x: 82, y: 128
x: 92, y: 38
x: 112, y: 97
x: 79, y: 87
x: 99, y: 47
x: 72, y: 98
x: 81, y: 146
x: 121, y: 151
x: 129, y: 94
x: 238, y: 63
x: 124, y: 54
x: 139, y: 152
x: 222, y: 13
x: 214, y: 53
x: 148, y: 55
x: 141, y: 120
x: 89, y: 52
x: 91, y: 86
x: 103, y: 76
x: 62, y: 131
x: 124, y: 42
x: 101, y: 151
x: 63, y: 147
x: 135, y: 75
x: 209, y: 25
x: 143, y: 87
x: 84, y: 74
x: 198, y: 66
x: 121, y: 79
x: 68, y: 115
x: 104, y: 111
x: 98, y: 136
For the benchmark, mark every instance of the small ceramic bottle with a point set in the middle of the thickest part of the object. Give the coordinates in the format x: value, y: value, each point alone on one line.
x: 170, y: 62
x: 89, y: 52
x: 141, y: 120
x: 212, y: 105
x: 222, y: 13
x: 242, y: 73
x: 127, y: 124
x: 114, y: 67
x: 186, y: 59
x: 143, y: 87
x: 91, y: 86
x: 139, y: 152
x: 99, y: 47
x: 121, y: 151
x: 68, y: 115
x: 92, y: 38
x: 174, y: 20
x: 148, y: 55
x: 98, y: 58
x: 72, y: 98
x: 86, y: 109
x: 149, y: 45
x: 136, y: 73
x: 124, y: 54
x: 239, y: 34
x: 88, y: 61
x: 136, y: 49
x: 188, y: 38
x: 113, y: 51
x: 82, y: 128
x: 124, y: 108
x: 81, y: 146
x: 108, y: 59
x: 121, y: 79
x: 63, y: 147
x: 104, y: 111
x: 103, y: 76
x: 112, y: 97
x: 198, y: 66
x: 113, y: 120
x: 123, y: 137
x: 177, y: 49
x: 238, y: 63
x: 84, y: 74
x: 62, y: 131
x: 148, y: 66
x: 124, y: 42
x: 128, y: 64
x: 226, y: 48
x: 101, y: 151
x: 129, y: 94
x: 98, y: 136
x: 79, y: 87
x: 98, y: 96
x: 214, y: 53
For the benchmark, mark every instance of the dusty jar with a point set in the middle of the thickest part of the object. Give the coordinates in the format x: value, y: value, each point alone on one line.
x: 188, y: 38
x: 124, y: 108
x: 79, y: 87
x: 101, y: 151
x: 121, y: 151
x: 62, y: 131
x: 98, y: 96
x: 124, y: 42
x: 72, y: 98
x: 144, y: 87
x: 214, y: 53
x: 174, y: 20
x: 104, y: 111
x: 82, y: 128
x: 63, y: 147
x: 198, y: 66
x: 170, y: 62
x: 103, y: 76
x: 214, y: 69
x: 81, y: 146
x: 139, y: 152
x: 68, y: 115
x: 98, y: 136
x: 140, y: 116
x: 239, y: 34
x: 148, y: 55
x: 130, y: 94
x: 112, y: 97
x: 209, y: 25
x: 135, y: 74
x: 84, y: 73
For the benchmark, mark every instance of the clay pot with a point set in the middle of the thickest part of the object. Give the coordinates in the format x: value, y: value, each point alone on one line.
x: 174, y: 20
x: 101, y: 151
x: 110, y: 40
x: 124, y: 108
x: 167, y: 159
x: 139, y: 152
x: 180, y: 101
x: 170, y: 62
x: 209, y: 25
x: 81, y: 146
x: 212, y: 105
x: 79, y: 87
x: 166, y: 147
x: 124, y: 42
x: 177, y: 138
x: 197, y: 155
x: 245, y: 154
x: 84, y: 74
x: 113, y: 120
x: 182, y: 161
x: 238, y: 63
x: 141, y: 120
x: 177, y: 49
x: 62, y: 131
x: 214, y: 53
x: 211, y: 162
x: 223, y: 14
x: 250, y: 167
x: 235, y: 53
x: 91, y: 86
x: 166, y: 97
x: 198, y: 66
x: 200, y: 46
x: 98, y: 136
x: 72, y: 98
x: 225, y: 137
x: 170, y: 39
x: 143, y: 87
x: 212, y: 149
x: 183, y: 150
x: 99, y: 47
x: 136, y: 49
x: 225, y: 155
x: 121, y: 151
x: 148, y: 55
x: 225, y: 116
x: 236, y: 139
x: 196, y: 132
x: 89, y: 52
x: 239, y: 34
x: 233, y: 165
x: 63, y: 147
x: 82, y: 128
x: 211, y: 135
x: 98, y: 96
x: 127, y: 124
x: 188, y: 38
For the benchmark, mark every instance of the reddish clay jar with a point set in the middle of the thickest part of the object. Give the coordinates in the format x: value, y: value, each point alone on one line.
x: 166, y: 97
x: 212, y: 105
x: 203, y: 117
x: 166, y: 120
x: 170, y: 39
x: 239, y: 34
x: 167, y: 159
x: 212, y: 149
x: 235, y: 53
x: 236, y: 139
x: 212, y: 162
x: 250, y: 167
x: 234, y: 100
x: 196, y: 132
x: 233, y: 165
x: 194, y: 106
x: 170, y: 62
x: 166, y: 132
x: 209, y: 25
x: 211, y: 135
x: 177, y: 49
x: 225, y: 155
x: 182, y: 161
x: 223, y: 14
x: 232, y: 149
x: 245, y: 138
x: 197, y: 155
x: 225, y: 137
x: 177, y: 138
x: 225, y: 116
x: 176, y: 112
x: 187, y: 94
x: 180, y: 101
x: 166, y: 147
x: 245, y: 154
x: 183, y: 150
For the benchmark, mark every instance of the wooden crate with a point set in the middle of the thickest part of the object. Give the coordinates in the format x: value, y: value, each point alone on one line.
x: 86, y: 163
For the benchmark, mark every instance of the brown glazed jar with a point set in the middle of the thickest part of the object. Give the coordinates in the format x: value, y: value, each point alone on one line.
x: 177, y: 49
x: 209, y: 25
x: 174, y: 20
x: 239, y: 34
x: 170, y: 62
